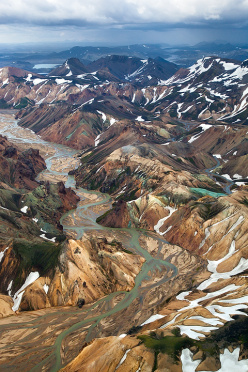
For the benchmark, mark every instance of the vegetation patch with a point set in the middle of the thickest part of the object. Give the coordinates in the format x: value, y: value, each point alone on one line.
x: 3, y: 104
x: 234, y: 333
x: 41, y: 256
x: 171, y: 345
x: 209, y: 210
x: 244, y: 201
x: 100, y: 218
x: 10, y: 200
x: 24, y: 102
x: 128, y: 196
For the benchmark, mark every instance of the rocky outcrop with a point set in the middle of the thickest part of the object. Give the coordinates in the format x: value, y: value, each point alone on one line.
x: 91, y: 268
x: 62, y: 124
x: 116, y: 217
x: 6, y: 304
x: 208, y: 226
x: 76, y: 273
x: 35, y: 296
x: 19, y: 169
x: 106, y: 354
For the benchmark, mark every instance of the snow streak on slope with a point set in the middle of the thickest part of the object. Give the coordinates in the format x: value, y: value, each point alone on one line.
x: 216, y: 81
x: 31, y: 278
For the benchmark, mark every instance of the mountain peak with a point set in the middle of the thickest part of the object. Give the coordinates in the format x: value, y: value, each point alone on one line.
x: 72, y: 66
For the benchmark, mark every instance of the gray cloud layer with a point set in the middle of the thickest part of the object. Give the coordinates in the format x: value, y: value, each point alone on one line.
x: 123, y: 21
x: 123, y: 13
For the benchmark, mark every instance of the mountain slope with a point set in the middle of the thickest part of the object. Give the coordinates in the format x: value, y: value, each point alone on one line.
x: 72, y: 66
x: 216, y: 87
x: 136, y: 70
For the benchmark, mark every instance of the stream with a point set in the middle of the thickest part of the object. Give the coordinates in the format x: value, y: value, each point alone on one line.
x: 225, y: 183
x: 69, y: 320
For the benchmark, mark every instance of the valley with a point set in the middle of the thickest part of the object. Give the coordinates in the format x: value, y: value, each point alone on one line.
x: 126, y: 245
x: 80, y: 225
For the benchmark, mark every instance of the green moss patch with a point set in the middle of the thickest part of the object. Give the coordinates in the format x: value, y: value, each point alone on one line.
x: 10, y: 200
x: 42, y: 256
x: 171, y: 345
x: 24, y: 102
x: 100, y: 218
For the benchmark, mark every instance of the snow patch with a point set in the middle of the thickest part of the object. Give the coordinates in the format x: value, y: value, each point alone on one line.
x: 162, y: 220
x: 194, y: 332
x: 182, y: 295
x: 139, y: 118
x: 123, y: 359
x: 46, y: 288
x: 39, y: 81
x: 112, y: 121
x: 237, y: 176
x: 24, y: 209
x: 104, y: 117
x: 62, y: 81
x: 43, y: 236
x: 230, y: 362
x: 31, y: 278
x: 97, y: 140
x: 29, y: 77
x: 9, y: 288
x: 2, y: 253
x: 152, y: 319
x: 188, y: 364
x: 226, y: 176
x: 123, y: 335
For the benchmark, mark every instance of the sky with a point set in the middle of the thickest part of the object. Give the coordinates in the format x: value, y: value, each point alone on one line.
x: 121, y: 22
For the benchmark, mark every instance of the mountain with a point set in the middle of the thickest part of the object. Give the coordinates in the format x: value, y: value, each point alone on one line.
x: 72, y: 66
x: 74, y: 81
x: 184, y: 55
x: 214, y: 47
x: 155, y: 252
x: 92, y: 53
x: 117, y: 68
x: 23, y: 216
x: 217, y: 86
x: 135, y: 70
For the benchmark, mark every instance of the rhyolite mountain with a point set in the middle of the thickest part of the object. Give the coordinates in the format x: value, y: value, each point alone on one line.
x: 27, y: 207
x: 217, y: 86
x: 171, y: 151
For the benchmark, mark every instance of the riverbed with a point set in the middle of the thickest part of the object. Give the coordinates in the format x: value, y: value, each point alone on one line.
x: 50, y: 338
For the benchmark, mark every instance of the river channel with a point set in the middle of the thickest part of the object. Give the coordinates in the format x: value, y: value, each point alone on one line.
x: 48, y: 339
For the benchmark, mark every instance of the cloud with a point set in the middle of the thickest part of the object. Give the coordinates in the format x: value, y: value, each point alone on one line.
x: 124, y: 21
x: 124, y: 13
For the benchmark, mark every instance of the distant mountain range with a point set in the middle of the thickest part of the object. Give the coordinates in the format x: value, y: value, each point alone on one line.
x: 212, y: 89
x: 183, y: 56
x: 118, y: 68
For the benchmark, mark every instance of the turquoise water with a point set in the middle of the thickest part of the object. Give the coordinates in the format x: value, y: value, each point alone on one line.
x: 204, y: 192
